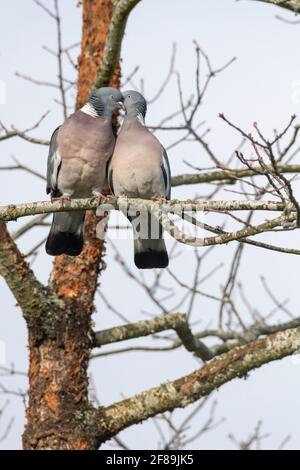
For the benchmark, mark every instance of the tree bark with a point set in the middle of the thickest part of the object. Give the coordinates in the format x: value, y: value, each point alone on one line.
x: 58, y: 407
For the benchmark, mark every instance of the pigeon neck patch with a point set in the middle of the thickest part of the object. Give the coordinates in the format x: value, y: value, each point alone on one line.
x: 89, y: 109
x: 141, y: 119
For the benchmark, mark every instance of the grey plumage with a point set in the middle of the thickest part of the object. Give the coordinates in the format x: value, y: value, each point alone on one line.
x: 78, y: 154
x: 139, y: 168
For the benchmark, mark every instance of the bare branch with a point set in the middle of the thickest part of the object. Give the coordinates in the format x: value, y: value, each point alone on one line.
x: 13, y: 132
x: 230, y: 339
x: 177, y: 322
x: 160, y: 211
x: 43, y: 7
x: 15, y: 211
x: 20, y: 166
x: 292, y: 5
x: 35, y: 81
x: 167, y: 79
x: 188, y: 389
x: 229, y: 175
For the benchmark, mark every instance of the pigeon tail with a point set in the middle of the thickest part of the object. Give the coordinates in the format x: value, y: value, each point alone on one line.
x: 149, y: 254
x: 66, y: 234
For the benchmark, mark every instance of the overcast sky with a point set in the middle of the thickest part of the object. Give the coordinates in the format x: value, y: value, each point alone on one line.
x: 261, y: 85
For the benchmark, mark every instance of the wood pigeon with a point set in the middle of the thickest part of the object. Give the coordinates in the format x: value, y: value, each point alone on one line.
x: 139, y: 168
x: 79, y: 151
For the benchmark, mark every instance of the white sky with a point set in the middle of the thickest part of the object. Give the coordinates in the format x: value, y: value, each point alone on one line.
x: 259, y: 86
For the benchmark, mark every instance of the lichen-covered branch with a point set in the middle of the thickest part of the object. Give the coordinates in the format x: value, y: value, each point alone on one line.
x: 181, y: 208
x: 292, y: 5
x: 15, y: 211
x: 252, y: 333
x: 177, y: 322
x: 186, y: 390
x: 111, y: 53
x: 230, y: 339
x: 227, y: 237
x: 228, y: 175
x: 266, y: 246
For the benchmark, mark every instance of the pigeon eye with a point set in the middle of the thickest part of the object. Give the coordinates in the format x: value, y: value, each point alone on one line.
x: 112, y: 97
x: 128, y: 96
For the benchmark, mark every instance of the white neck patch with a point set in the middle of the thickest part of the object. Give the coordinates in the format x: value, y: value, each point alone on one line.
x: 141, y: 119
x: 89, y: 109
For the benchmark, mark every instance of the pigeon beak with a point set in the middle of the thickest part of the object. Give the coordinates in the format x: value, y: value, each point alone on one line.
x: 121, y: 105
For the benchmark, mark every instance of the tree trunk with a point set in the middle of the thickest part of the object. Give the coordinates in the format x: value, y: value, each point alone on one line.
x: 59, y: 415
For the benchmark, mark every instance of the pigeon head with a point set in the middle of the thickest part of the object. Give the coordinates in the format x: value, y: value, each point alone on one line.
x: 105, y: 101
x: 135, y: 104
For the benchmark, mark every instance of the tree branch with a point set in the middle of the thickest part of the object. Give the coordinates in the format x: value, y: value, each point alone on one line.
x: 177, y: 322
x: 13, y: 132
x: 190, y: 388
x: 228, y: 175
x: 160, y: 211
x: 230, y: 339
x: 15, y: 211
x: 292, y: 5
x: 113, y: 43
x: 226, y: 237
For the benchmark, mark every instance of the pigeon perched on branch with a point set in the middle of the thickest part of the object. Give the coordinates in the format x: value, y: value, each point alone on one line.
x: 79, y: 151
x: 139, y: 168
